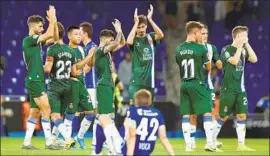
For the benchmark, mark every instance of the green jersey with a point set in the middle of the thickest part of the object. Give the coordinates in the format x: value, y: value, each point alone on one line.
x: 233, y: 75
x: 32, y: 54
x: 143, y: 60
x: 213, y: 56
x: 103, y: 64
x: 80, y: 54
x: 64, y: 59
x: 191, y: 56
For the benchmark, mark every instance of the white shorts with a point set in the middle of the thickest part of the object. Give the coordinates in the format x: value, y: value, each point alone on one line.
x: 93, y: 93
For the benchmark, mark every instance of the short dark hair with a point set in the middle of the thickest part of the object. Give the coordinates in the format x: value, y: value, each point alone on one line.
x: 88, y: 28
x: 71, y: 28
x: 236, y: 30
x: 191, y: 25
x: 35, y: 19
x: 106, y: 33
x: 142, y: 19
x: 61, y: 30
x: 143, y: 98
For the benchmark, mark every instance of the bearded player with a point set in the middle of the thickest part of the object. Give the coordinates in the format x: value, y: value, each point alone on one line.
x: 143, y: 48
x: 35, y: 79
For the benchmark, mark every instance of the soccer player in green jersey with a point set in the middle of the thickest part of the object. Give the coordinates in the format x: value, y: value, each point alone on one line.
x: 233, y: 97
x: 105, y: 86
x: 191, y: 57
x: 143, y: 47
x: 35, y: 79
x: 214, y: 57
x: 81, y: 98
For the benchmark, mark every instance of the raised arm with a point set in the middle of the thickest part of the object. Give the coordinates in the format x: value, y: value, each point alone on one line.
x: 237, y: 43
x: 159, y: 34
x: 164, y: 140
x: 50, y: 31
x: 55, y: 37
x: 132, y: 33
x: 117, y: 40
x: 252, y: 56
x: 122, y: 43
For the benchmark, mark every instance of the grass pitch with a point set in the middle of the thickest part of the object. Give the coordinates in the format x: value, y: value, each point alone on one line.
x: 12, y: 146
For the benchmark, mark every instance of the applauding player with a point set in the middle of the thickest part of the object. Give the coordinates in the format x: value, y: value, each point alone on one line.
x: 35, y: 79
x: 143, y: 48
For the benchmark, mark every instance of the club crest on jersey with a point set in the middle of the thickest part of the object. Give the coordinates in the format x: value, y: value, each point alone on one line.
x: 138, y: 44
x: 226, y: 109
x: 70, y: 105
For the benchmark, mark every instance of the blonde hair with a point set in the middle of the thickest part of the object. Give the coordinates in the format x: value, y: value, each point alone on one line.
x: 143, y: 98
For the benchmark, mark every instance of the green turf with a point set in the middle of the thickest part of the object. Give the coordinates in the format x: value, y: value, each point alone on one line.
x: 12, y: 146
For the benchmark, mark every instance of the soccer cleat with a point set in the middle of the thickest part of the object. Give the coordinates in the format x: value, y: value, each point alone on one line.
x: 210, y: 148
x: 219, y: 150
x: 53, y: 147
x: 60, y: 142
x: 80, y: 141
x: 189, y: 148
x: 193, y: 146
x: 70, y: 143
x: 218, y: 144
x: 243, y: 147
x: 29, y: 147
x: 94, y: 153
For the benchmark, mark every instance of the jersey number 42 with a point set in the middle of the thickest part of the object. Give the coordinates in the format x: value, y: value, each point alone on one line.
x: 143, y: 129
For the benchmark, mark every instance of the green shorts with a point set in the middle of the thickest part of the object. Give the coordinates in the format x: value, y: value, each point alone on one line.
x: 79, y: 97
x: 35, y: 89
x: 134, y: 88
x: 105, y: 99
x: 59, y: 95
x: 195, y: 99
x: 231, y: 102
x: 212, y: 95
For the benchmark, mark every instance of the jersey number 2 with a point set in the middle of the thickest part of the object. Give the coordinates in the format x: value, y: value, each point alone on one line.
x: 188, y: 63
x: 61, y: 67
x: 142, y: 129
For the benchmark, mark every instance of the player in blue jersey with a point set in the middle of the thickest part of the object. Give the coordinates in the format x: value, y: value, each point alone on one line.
x: 144, y: 125
x: 90, y: 79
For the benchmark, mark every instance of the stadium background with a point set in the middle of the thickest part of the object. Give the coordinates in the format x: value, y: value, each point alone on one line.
x: 220, y: 16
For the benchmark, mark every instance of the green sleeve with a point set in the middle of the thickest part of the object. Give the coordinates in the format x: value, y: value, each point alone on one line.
x: 205, y: 56
x: 50, y: 51
x: 73, y: 59
x: 215, y: 54
x: 31, y: 41
x: 227, y: 53
x: 152, y: 34
x: 99, y: 53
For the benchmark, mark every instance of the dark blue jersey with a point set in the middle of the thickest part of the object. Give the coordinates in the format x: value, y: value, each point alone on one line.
x: 91, y: 76
x: 147, y: 121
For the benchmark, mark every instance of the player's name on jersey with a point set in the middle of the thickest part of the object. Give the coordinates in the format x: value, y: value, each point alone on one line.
x: 66, y: 54
x: 146, y: 112
x: 185, y: 52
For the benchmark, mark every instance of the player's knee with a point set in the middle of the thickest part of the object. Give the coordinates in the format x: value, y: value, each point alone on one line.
x: 55, y: 116
x: 35, y: 113
x: 241, y: 116
x: 224, y: 118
